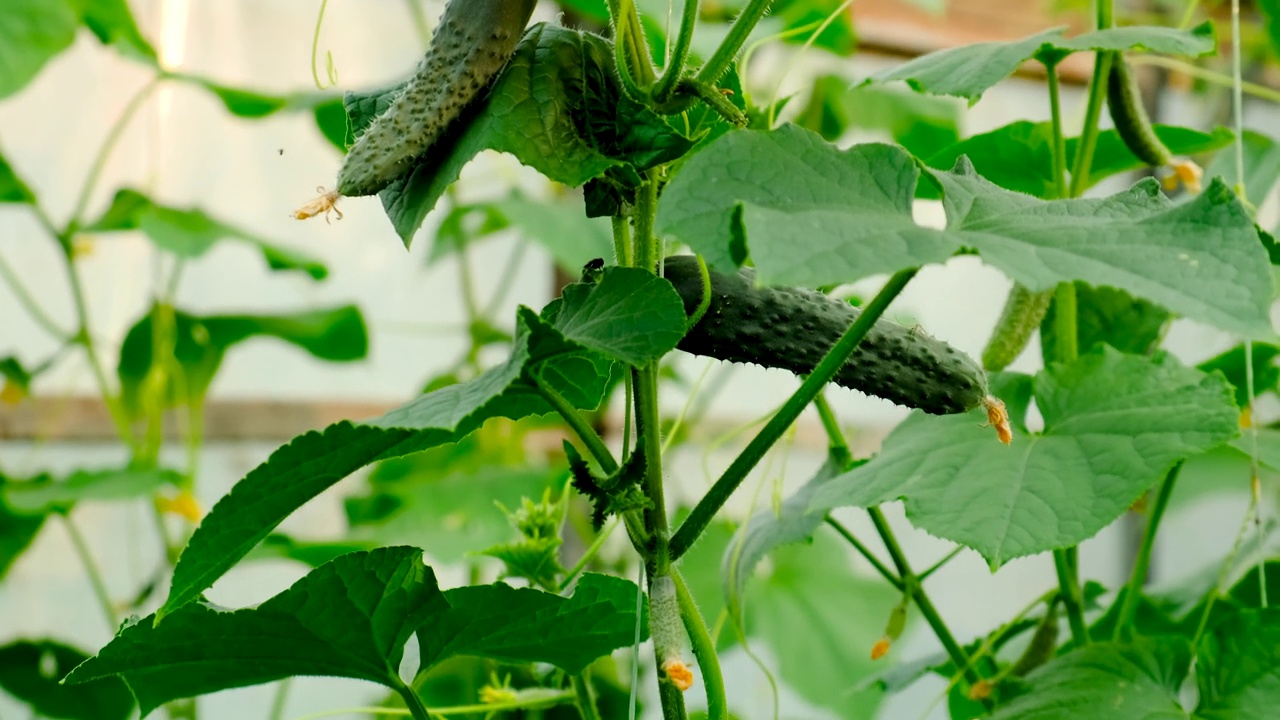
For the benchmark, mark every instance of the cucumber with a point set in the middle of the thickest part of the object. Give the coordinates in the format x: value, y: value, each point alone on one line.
x: 793, y: 328
x: 1124, y: 101
x: 471, y: 45
x: 1022, y: 314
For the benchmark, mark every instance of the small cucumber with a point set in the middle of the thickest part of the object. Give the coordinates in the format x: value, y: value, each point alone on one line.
x: 793, y: 328
x: 1124, y: 101
x: 471, y: 45
x: 1021, y: 316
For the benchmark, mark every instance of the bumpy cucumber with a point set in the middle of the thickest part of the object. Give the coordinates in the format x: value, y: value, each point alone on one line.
x: 471, y: 45
x: 1022, y: 314
x: 793, y: 328
x: 1124, y: 100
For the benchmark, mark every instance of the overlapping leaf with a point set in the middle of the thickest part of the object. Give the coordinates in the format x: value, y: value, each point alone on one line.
x: 31, y: 33
x: 112, y: 23
x: 12, y: 188
x: 629, y: 314
x: 970, y: 70
x: 30, y: 670
x: 190, y: 233
x: 348, y: 618
x: 520, y: 625
x: 17, y: 530
x: 313, y: 462
x: 1113, y: 425
x: 44, y: 495
x: 1239, y: 667
x: 556, y: 107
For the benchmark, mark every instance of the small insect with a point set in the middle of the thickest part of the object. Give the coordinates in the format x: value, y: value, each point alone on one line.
x: 326, y: 203
x: 280, y: 151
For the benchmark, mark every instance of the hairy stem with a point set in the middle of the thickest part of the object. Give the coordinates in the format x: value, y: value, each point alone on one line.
x: 581, y: 427
x: 1069, y: 589
x: 1141, y: 565
x: 584, y: 697
x: 411, y: 700
x: 704, y: 649
x: 724, y: 487
x: 741, y: 29
x: 865, y: 552
x: 1093, y: 111
x: 679, y: 52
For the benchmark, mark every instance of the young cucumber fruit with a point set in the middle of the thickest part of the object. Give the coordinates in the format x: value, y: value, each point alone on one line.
x: 1124, y: 100
x: 1022, y: 314
x: 471, y: 45
x: 793, y: 328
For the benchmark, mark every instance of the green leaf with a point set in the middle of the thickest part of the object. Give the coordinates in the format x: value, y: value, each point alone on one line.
x: 820, y: 619
x: 17, y: 530
x: 630, y: 314
x: 43, y: 496
x: 30, y: 671
x: 561, y: 228
x: 31, y: 33
x: 556, y: 108
x: 449, y: 512
x: 199, y: 344
x: 1270, y: 10
x: 349, y: 618
x: 12, y: 188
x: 1261, y: 165
x: 113, y: 24
x: 311, y: 463
x: 1019, y: 156
x: 793, y: 522
x: 254, y: 104
x: 812, y: 214
x: 1266, y: 375
x: 1247, y: 592
x: 522, y: 625
x: 1108, y: 316
x: 15, y: 376
x: 1201, y: 259
x: 331, y: 118
x: 920, y: 123
x: 1238, y: 668
x: 838, y: 36
x: 970, y: 70
x: 1105, y: 681
x: 190, y: 233
x: 1114, y: 424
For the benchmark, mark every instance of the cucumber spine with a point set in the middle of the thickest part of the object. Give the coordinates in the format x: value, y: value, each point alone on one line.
x: 793, y: 328
x: 470, y: 46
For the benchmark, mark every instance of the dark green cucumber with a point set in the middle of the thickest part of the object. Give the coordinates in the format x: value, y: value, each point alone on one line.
x: 793, y: 328
x: 1124, y: 101
x: 1022, y: 313
x: 471, y: 45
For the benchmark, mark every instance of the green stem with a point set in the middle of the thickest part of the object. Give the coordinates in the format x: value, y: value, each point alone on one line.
x: 836, y: 444
x: 704, y: 649
x: 1093, y: 111
x: 419, y: 24
x: 85, y: 340
x: 679, y: 53
x: 724, y: 487
x: 95, y: 575
x: 104, y: 153
x: 280, y: 700
x: 1069, y: 588
x: 412, y: 701
x: 29, y: 303
x: 582, y: 693
x: 1065, y: 333
x: 506, y: 280
x: 598, y: 543
x: 631, y: 54
x: 865, y: 552
x: 1059, y: 140
x: 712, y: 96
x: 647, y: 248
x: 622, y: 241
x: 649, y: 434
x: 1141, y: 565
x: 732, y: 43
x: 941, y: 563
x: 585, y: 432
x: 913, y: 586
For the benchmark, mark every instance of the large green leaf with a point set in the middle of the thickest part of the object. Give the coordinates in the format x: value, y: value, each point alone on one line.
x: 1108, y: 316
x: 970, y: 70
x: 1232, y: 364
x: 12, y: 188
x: 521, y: 625
x: 792, y: 522
x: 113, y: 24
x: 1202, y: 259
x: 32, y: 32
x: 190, y: 233
x: 1261, y: 165
x: 31, y: 670
x: 1114, y: 424
x: 309, y: 552
x: 629, y: 314
x: 1107, y: 681
x: 922, y: 124
x: 349, y: 618
x: 313, y: 462
x: 199, y: 343
x: 810, y: 213
x: 1239, y: 667
x: 45, y: 495
x: 557, y: 224
x: 820, y: 619
x: 556, y: 107
x: 1019, y: 156
x: 837, y: 36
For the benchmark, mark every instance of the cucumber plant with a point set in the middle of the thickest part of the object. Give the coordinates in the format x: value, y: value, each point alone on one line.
x: 728, y: 230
